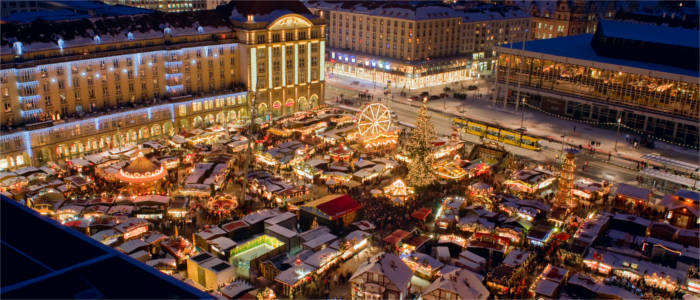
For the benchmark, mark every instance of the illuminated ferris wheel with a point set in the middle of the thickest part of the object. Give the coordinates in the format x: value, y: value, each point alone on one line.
x: 373, y: 119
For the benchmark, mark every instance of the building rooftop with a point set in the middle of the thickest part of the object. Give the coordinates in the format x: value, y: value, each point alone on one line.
x: 79, y: 268
x: 579, y: 47
x: 651, y: 33
x: 465, y: 283
x: 389, y: 265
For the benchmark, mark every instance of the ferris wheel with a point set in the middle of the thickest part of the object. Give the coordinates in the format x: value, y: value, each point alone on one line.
x: 373, y: 119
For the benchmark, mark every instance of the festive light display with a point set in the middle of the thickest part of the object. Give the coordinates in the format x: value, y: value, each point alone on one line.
x: 419, y: 147
x: 373, y: 119
x: 566, y: 179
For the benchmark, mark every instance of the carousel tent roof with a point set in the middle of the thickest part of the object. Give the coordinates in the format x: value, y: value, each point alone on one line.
x: 141, y: 165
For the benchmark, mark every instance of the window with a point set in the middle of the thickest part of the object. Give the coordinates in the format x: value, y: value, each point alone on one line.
x: 276, y: 38
x: 289, y: 36
x: 302, y: 35
x: 276, y: 52
x: 261, y: 67
x: 261, y: 38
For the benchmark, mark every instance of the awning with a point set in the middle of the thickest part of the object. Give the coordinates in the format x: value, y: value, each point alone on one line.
x: 670, y: 177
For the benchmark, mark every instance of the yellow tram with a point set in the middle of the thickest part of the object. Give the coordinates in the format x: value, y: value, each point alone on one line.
x: 497, y: 134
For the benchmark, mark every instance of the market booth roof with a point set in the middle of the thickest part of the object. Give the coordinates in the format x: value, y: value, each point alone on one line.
x: 422, y: 213
x: 332, y: 206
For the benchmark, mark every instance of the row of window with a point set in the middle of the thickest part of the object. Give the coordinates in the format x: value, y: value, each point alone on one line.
x: 288, y: 36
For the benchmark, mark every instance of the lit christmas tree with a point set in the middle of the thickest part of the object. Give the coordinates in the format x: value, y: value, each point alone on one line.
x: 419, y: 147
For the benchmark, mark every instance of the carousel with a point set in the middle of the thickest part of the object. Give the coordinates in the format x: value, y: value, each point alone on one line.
x: 399, y: 192
x: 222, y: 204
x: 141, y: 172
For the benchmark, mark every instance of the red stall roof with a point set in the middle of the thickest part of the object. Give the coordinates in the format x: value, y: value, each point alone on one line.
x: 338, y: 206
x: 422, y: 213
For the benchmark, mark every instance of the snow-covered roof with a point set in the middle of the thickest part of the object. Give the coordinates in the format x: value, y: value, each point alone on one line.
x: 260, y: 216
x: 321, y: 257
x: 211, y: 232
x: 292, y: 275
x: 236, y: 288
x: 464, y: 283
x: 393, y: 9
x: 285, y: 232
x: 321, y: 240
x: 131, y: 245
x: 389, y: 265
x: 516, y: 257
x: 223, y: 243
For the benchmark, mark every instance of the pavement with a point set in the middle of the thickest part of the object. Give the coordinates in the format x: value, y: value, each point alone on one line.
x: 535, y: 122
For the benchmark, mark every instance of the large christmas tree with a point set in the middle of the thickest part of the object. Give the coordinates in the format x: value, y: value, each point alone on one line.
x: 419, y: 147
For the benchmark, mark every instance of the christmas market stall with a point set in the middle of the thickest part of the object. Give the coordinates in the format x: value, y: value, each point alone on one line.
x: 631, y: 197
x: 479, y: 192
x: 398, y: 190
x: 335, y: 211
x: 449, y: 211
x: 293, y: 278
x: 395, y: 239
x: 531, y: 181
x: 589, y: 191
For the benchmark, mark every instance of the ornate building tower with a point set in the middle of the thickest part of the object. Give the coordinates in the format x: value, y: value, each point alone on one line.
x: 566, y: 179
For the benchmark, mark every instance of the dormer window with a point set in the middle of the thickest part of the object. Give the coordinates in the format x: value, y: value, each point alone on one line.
x: 168, y: 30
x: 130, y: 36
x: 97, y: 39
x: 17, y: 46
x: 251, y: 18
x: 200, y: 29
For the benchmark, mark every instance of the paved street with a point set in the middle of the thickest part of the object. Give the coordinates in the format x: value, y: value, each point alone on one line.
x: 619, y: 169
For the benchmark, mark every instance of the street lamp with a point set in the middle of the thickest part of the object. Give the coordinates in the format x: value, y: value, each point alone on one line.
x: 619, y: 120
x: 522, y: 116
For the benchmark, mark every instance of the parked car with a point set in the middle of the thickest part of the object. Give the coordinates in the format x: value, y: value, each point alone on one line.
x: 434, y: 97
x: 425, y: 94
x: 444, y: 95
x: 446, y: 89
x: 415, y: 98
x: 472, y: 88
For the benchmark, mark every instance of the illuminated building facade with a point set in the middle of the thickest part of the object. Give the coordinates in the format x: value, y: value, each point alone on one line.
x: 171, y: 5
x: 415, y: 45
x: 84, y: 86
x: 552, y: 19
x: 602, y: 78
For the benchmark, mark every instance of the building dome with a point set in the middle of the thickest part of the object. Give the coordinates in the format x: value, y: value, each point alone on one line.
x: 141, y: 170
